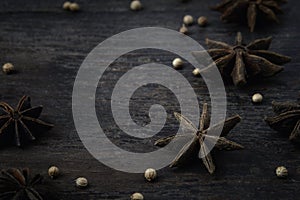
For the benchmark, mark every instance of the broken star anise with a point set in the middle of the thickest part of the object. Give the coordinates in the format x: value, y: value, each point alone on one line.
x: 287, y: 119
x: 269, y: 8
x: 197, y: 145
x: 241, y: 62
x: 17, y: 184
x: 20, y: 123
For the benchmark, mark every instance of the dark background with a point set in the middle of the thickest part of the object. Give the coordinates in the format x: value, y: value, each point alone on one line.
x: 47, y: 45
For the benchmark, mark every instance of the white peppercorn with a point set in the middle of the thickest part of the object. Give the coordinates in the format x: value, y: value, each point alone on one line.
x: 74, y: 7
x: 8, y: 68
x: 188, y: 19
x: 202, y: 21
x: 136, y: 5
x: 137, y: 196
x: 81, y: 182
x: 150, y: 174
x: 196, y: 72
x: 281, y: 172
x: 183, y: 29
x: 177, y: 63
x: 53, y: 172
x: 66, y: 5
x: 257, y: 98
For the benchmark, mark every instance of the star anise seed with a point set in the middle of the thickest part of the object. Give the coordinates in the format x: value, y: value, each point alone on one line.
x: 20, y: 123
x: 17, y: 184
x: 197, y: 145
x: 287, y: 119
x: 241, y: 62
x: 229, y: 9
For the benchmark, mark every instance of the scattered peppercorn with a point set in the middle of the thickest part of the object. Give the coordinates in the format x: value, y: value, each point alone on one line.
x: 188, y: 19
x: 196, y: 72
x: 74, y: 7
x: 183, y: 29
x: 66, y: 5
x: 257, y: 98
x: 53, y: 172
x: 202, y: 21
x: 137, y: 196
x: 81, y: 182
x: 150, y: 174
x: 8, y: 68
x: 177, y: 63
x: 136, y: 5
x: 281, y: 172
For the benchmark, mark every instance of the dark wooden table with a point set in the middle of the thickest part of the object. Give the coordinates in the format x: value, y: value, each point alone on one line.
x: 47, y: 46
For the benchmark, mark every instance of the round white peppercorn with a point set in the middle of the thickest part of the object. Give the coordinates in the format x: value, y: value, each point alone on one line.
x: 81, y: 182
x: 150, y: 174
x: 66, y: 5
x: 282, y: 172
x: 257, y: 98
x: 202, y: 21
x: 183, y: 29
x: 74, y: 7
x: 196, y: 72
x: 135, y: 5
x: 137, y: 196
x: 8, y: 68
x: 177, y: 63
x: 53, y: 172
x: 188, y: 19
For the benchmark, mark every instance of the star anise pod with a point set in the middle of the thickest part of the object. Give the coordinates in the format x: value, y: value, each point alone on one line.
x: 17, y: 184
x: 20, y: 123
x: 287, y: 119
x: 241, y: 62
x: 252, y: 8
x: 197, y: 145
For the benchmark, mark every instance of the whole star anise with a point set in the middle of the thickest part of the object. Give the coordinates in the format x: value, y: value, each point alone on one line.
x: 240, y: 62
x: 287, y: 119
x: 229, y: 9
x: 20, y: 123
x: 197, y: 145
x: 17, y: 184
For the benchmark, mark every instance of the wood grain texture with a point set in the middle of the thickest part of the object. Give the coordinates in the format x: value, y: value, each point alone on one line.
x: 47, y: 46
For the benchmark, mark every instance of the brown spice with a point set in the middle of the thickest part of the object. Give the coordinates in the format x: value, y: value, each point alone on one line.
x: 252, y: 8
x: 240, y: 62
x: 197, y: 143
x: 17, y: 184
x: 20, y: 123
x: 286, y: 120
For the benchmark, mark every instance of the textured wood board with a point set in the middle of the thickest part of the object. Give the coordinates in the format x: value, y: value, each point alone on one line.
x: 48, y: 44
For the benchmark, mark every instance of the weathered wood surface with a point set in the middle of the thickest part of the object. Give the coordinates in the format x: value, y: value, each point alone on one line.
x: 48, y: 44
